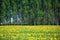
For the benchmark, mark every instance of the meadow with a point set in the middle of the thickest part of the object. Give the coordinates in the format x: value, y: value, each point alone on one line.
x: 26, y: 32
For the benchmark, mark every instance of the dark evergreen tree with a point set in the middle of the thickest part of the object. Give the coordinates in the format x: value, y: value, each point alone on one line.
x: 31, y: 12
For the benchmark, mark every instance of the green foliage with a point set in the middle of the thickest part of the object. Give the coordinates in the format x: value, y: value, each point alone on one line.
x: 30, y: 11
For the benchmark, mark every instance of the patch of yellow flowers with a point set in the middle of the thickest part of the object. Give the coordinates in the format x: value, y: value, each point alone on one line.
x: 30, y: 32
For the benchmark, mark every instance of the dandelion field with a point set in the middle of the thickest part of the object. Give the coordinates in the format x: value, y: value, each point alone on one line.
x: 17, y: 32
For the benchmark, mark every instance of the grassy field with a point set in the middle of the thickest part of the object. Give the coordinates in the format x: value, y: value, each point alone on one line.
x: 19, y: 32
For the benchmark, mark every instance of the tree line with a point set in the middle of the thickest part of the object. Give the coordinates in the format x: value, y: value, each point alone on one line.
x: 31, y: 12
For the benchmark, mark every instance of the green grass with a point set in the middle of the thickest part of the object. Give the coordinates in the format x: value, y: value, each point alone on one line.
x: 17, y: 32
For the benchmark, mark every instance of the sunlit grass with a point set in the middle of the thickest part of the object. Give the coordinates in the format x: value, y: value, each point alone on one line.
x: 17, y: 32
